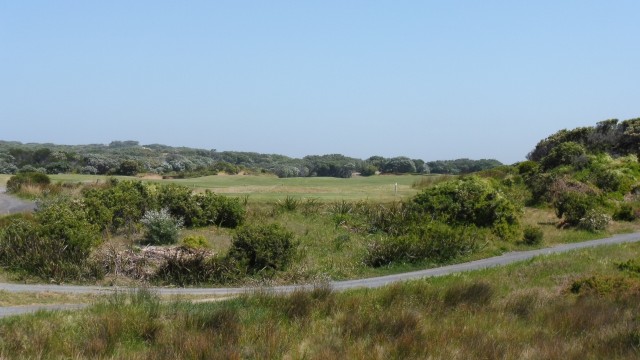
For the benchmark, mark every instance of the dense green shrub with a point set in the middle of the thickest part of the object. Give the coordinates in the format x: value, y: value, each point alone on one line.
x: 161, y: 228
x: 120, y: 205
x: 15, y: 183
x: 469, y: 201
x: 624, y: 212
x: 181, y: 203
x: 436, y: 242
x: 55, y: 245
x: 219, y: 210
x: 532, y: 235
x: 263, y: 247
x: 573, y: 206
x: 566, y: 153
x: 528, y: 167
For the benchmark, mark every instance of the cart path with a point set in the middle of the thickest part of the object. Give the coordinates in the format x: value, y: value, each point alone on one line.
x: 11, y: 205
x: 373, y: 282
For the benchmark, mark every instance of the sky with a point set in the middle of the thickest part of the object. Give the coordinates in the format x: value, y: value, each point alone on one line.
x: 426, y: 79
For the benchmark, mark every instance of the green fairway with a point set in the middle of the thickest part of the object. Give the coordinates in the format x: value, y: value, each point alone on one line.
x: 266, y: 188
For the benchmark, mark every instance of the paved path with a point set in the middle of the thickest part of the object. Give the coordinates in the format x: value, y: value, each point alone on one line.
x: 374, y: 282
x: 12, y: 205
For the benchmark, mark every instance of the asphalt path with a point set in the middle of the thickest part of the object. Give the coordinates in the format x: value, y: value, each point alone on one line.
x: 373, y: 282
x: 12, y: 205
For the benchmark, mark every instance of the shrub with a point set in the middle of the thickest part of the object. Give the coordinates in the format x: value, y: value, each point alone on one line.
x: 594, y: 220
x: 437, y: 242
x: 55, y: 245
x: 161, y: 227
x: 624, y: 212
x: 263, y: 247
x: 181, y: 203
x: 195, y: 242
x: 611, y: 180
x: 574, y: 205
x: 121, y: 204
x: 219, y: 210
x: 468, y: 201
x: 602, y: 285
x: 15, y: 183
x: 532, y: 235
x: 566, y: 153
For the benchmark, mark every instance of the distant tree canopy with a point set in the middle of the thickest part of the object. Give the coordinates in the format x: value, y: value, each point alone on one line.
x: 130, y: 158
x: 460, y: 166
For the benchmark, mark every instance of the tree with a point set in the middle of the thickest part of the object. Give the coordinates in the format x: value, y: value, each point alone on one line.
x: 399, y: 165
x: 128, y: 168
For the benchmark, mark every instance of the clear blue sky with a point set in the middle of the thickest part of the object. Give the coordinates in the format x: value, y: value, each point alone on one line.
x: 425, y: 79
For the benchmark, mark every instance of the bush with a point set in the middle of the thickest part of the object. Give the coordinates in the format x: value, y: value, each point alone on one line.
x: 121, y: 205
x: 594, y: 221
x: 263, y: 247
x: 161, y: 227
x: 437, y: 242
x: 15, y: 183
x: 567, y: 153
x: 574, y: 205
x: 469, y: 201
x: 181, y: 203
x: 55, y: 245
x: 532, y: 235
x: 624, y: 213
x: 195, y: 242
x: 219, y: 210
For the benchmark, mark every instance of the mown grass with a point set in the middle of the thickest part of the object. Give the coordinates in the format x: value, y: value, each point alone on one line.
x: 524, y: 310
x: 267, y: 188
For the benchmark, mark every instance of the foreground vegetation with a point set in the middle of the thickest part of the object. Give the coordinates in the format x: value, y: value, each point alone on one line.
x: 583, y: 183
x: 580, y: 305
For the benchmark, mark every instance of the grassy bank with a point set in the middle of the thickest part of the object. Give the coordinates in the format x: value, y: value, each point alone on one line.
x: 524, y: 310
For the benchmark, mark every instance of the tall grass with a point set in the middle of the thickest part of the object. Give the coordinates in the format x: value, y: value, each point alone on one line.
x: 521, y: 311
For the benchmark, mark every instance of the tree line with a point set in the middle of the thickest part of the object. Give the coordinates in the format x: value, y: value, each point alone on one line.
x: 131, y: 158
